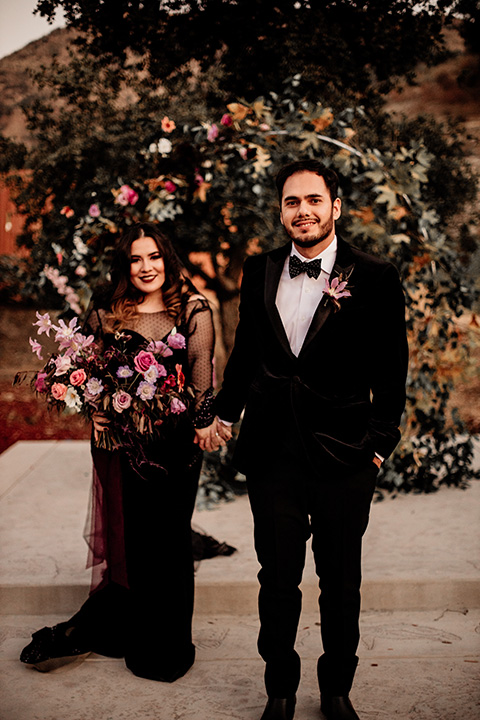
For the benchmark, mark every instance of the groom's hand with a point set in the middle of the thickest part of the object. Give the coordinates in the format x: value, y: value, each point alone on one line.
x: 224, y: 431
x: 209, y: 438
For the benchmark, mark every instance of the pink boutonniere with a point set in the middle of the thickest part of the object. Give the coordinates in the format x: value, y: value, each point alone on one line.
x: 336, y: 290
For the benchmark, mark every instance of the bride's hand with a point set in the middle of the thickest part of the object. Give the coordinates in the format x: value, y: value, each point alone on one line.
x: 208, y: 438
x: 100, y: 423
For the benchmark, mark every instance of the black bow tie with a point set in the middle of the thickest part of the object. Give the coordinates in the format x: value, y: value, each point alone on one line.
x: 296, y: 267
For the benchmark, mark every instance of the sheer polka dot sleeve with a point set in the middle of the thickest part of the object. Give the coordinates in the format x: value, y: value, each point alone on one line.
x: 200, y: 347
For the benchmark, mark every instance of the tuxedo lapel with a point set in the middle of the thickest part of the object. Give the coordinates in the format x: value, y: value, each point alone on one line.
x: 273, y: 271
x: 342, y: 269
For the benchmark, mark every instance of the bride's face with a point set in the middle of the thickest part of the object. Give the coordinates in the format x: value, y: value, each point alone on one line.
x: 147, y: 269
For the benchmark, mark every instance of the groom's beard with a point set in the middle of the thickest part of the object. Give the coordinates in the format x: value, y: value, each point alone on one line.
x: 322, y: 233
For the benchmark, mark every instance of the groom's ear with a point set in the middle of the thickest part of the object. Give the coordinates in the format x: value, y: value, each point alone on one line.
x: 337, y: 208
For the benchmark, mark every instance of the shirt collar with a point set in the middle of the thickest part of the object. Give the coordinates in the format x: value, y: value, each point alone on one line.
x: 327, y: 256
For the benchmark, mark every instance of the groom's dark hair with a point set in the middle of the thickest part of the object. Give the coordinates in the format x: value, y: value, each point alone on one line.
x: 314, y: 166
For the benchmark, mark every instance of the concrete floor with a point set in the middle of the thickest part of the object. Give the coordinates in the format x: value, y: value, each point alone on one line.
x: 422, y: 665
x: 420, y: 647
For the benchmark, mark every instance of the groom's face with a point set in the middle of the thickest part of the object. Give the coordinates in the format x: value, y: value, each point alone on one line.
x: 308, y: 213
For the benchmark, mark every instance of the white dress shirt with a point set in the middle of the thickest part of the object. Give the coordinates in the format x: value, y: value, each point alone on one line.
x: 298, y: 298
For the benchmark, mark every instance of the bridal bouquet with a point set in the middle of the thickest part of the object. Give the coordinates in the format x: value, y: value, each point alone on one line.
x: 134, y: 391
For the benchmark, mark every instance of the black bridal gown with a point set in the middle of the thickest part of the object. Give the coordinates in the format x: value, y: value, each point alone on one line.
x: 140, y: 537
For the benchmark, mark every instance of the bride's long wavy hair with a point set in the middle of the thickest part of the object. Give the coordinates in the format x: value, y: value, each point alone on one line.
x: 126, y: 297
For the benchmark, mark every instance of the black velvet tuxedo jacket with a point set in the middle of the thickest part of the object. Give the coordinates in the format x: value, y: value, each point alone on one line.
x: 341, y: 399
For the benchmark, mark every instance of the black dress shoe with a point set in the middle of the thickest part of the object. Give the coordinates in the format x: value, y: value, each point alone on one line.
x: 52, y: 647
x: 279, y: 709
x: 338, y: 708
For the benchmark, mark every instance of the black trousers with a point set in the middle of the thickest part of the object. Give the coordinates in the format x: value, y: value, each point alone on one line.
x: 290, y: 503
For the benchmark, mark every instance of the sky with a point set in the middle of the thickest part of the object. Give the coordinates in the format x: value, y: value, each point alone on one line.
x: 18, y: 25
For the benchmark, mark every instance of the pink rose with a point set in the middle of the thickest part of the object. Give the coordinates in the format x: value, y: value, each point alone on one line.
x: 59, y: 390
x: 129, y: 194
x: 121, y: 199
x: 78, y: 377
x: 94, y: 211
x: 170, y: 186
x: 226, y: 120
x: 121, y: 401
x: 143, y: 360
x: 40, y: 382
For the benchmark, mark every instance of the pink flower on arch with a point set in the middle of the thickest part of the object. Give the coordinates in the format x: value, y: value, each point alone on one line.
x: 168, y: 125
x: 126, y: 196
x: 130, y: 194
x: 212, y: 133
x: 170, y: 186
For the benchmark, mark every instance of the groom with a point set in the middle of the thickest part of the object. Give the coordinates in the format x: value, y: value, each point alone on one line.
x: 319, y: 364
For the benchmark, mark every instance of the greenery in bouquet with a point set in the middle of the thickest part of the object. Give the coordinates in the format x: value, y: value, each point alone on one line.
x: 135, y: 390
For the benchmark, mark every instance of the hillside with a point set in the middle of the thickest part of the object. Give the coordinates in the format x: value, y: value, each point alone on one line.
x: 17, y: 87
x: 451, y: 89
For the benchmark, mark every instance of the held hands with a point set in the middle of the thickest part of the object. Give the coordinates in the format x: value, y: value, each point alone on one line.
x: 212, y: 437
